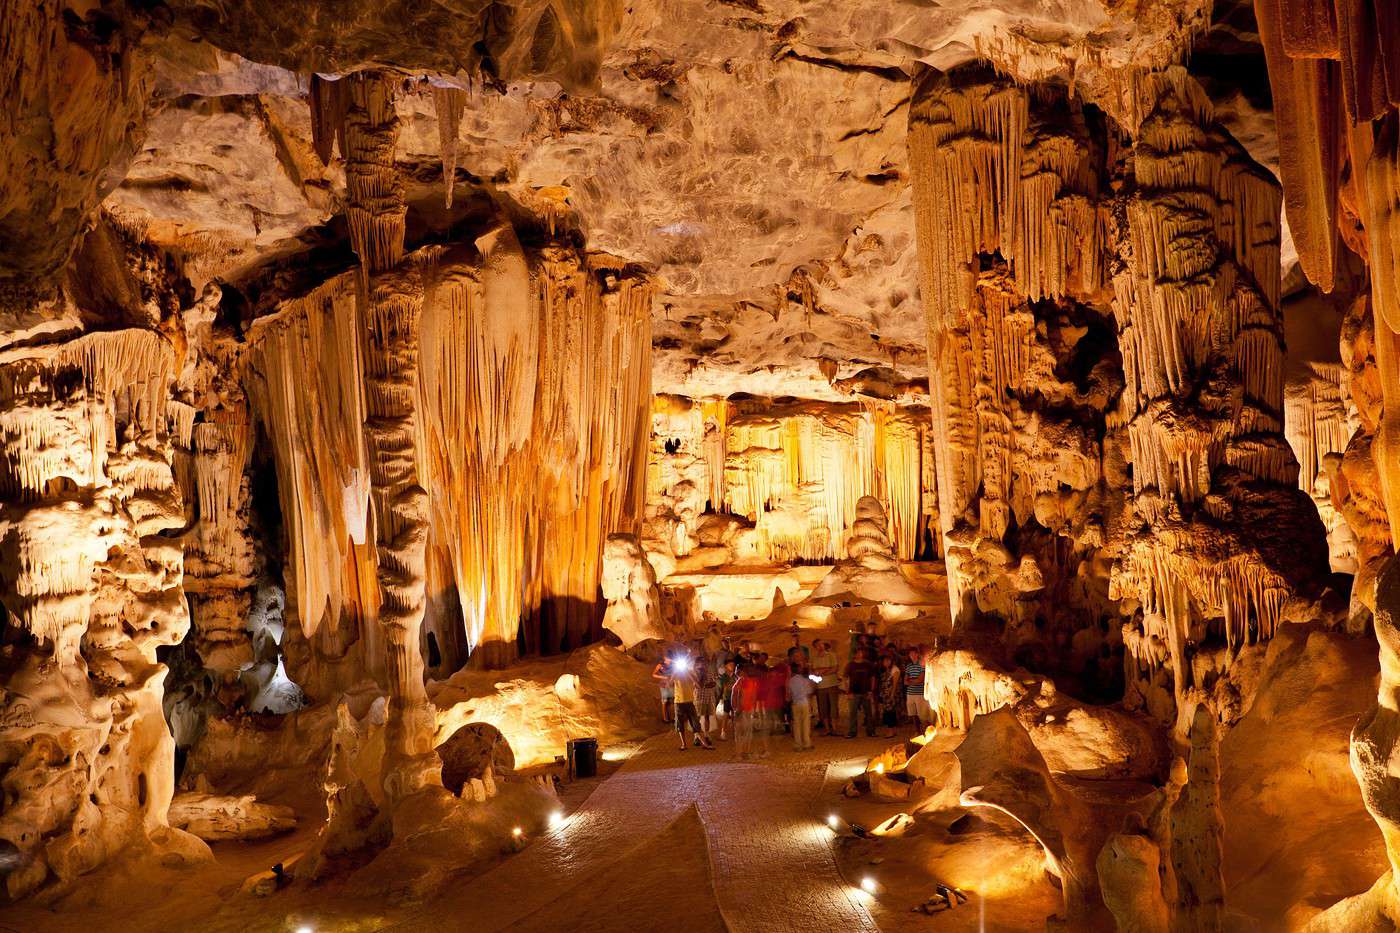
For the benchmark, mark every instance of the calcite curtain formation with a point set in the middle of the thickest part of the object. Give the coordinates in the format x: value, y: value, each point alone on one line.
x: 532, y: 386
x: 795, y: 469
x: 1025, y: 201
x: 1024, y: 367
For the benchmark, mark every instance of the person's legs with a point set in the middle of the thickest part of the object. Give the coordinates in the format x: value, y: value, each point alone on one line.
x: 852, y: 716
x: 693, y: 716
x: 829, y: 702
x: 802, y: 725
x: 684, y: 711
x: 764, y: 725
x: 743, y: 734
x: 707, y: 723
x: 869, y: 703
x: 918, y: 711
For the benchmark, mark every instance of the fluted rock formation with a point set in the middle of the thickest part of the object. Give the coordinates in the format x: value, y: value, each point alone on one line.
x: 1023, y: 362
x: 1015, y: 217
x: 796, y: 470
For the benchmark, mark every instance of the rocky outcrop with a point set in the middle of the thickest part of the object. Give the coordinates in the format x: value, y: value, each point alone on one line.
x: 629, y: 586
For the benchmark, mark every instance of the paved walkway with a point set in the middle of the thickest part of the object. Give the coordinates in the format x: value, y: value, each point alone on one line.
x: 635, y: 858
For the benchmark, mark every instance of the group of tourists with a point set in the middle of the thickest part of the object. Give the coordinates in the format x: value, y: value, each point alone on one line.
x: 716, y: 688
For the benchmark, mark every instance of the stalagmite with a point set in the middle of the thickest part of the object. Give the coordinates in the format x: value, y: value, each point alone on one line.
x: 629, y: 586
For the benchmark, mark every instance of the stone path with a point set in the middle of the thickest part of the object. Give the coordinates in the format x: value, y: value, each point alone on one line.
x: 631, y: 858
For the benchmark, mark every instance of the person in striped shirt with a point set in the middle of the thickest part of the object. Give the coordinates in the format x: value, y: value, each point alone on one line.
x: 914, y: 702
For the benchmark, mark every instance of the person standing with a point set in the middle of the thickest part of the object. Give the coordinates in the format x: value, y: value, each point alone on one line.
x: 915, y: 702
x: 724, y: 697
x: 861, y: 683
x: 662, y: 675
x: 801, y: 694
x: 746, y: 702
x: 683, y: 686
x: 724, y: 654
x: 706, y: 689
x: 825, y: 665
x: 891, y: 694
x: 798, y: 646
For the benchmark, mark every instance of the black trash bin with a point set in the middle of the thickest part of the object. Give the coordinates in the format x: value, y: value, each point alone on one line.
x: 583, y: 758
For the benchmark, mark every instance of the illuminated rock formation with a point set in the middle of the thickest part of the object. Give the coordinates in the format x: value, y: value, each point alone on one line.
x: 572, y: 332
x: 1211, y: 538
x: 1002, y: 769
x: 214, y: 818
x: 629, y: 586
x: 870, y: 570
x: 795, y: 470
x: 1023, y: 362
x: 92, y: 586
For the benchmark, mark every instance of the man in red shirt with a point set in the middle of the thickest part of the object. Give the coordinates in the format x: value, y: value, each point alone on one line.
x: 745, y: 701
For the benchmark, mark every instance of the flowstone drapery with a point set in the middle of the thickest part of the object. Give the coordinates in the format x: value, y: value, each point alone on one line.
x: 1054, y: 243
x: 794, y: 469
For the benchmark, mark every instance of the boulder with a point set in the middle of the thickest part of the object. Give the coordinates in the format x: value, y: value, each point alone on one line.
x: 473, y: 752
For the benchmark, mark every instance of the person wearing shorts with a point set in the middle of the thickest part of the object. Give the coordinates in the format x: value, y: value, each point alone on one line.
x: 684, y: 686
x: 914, y: 702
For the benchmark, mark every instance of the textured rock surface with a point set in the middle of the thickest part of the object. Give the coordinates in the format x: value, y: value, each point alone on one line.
x: 328, y: 338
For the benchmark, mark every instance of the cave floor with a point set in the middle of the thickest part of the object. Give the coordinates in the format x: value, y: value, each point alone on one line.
x: 673, y: 840
x: 695, y: 839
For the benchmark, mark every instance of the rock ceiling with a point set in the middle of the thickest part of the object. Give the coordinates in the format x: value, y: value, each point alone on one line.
x: 752, y: 153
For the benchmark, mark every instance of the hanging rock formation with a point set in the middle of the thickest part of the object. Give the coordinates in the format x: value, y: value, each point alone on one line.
x: 795, y: 470
x: 1016, y: 217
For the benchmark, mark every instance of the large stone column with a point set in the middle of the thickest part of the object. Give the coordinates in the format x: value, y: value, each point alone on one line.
x: 390, y: 304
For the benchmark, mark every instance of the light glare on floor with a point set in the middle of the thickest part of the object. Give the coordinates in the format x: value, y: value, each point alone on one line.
x: 867, y: 884
x: 832, y: 821
x: 556, y: 819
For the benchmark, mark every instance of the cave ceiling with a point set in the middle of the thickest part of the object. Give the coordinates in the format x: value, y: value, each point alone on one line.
x: 751, y: 153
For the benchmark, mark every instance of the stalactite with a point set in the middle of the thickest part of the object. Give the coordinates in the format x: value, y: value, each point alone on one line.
x: 374, y: 189
x: 1009, y: 213
x: 1318, y: 430
x: 1196, y: 304
x: 532, y: 400
x: 1307, y: 111
x: 1005, y: 213
x: 305, y: 379
x: 328, y: 104
x: 448, y: 102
